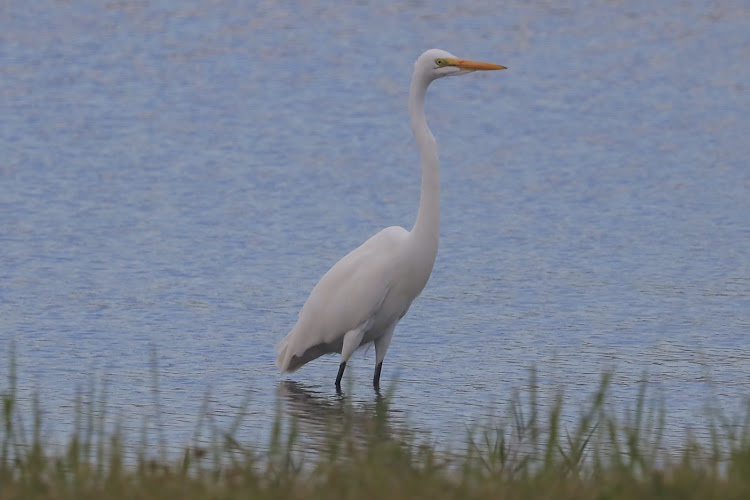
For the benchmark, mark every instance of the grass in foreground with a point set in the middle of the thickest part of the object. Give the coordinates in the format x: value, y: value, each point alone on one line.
x: 524, y: 455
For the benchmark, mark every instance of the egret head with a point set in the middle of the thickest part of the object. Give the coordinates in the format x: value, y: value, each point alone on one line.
x: 436, y: 63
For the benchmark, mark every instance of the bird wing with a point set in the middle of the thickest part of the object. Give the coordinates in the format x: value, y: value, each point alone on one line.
x: 353, y: 290
x: 349, y: 295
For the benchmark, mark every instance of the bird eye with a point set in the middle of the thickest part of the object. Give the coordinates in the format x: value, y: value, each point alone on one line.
x: 440, y: 62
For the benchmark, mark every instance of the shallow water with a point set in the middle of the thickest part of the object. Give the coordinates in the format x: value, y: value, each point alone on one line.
x: 175, y: 178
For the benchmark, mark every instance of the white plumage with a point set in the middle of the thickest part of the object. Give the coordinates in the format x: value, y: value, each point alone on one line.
x: 362, y: 298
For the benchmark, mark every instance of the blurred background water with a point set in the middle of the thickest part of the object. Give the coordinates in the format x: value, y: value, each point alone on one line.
x: 176, y: 176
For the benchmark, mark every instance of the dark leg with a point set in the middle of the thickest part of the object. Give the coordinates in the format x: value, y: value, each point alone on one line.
x: 341, y: 374
x: 376, y: 377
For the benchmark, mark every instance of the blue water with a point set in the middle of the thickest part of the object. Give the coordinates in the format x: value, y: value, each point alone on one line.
x: 176, y: 176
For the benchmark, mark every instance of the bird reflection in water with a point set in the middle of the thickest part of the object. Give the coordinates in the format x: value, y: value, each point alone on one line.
x: 321, y: 419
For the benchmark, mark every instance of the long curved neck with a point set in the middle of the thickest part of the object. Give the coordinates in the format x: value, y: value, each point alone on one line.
x: 426, y: 229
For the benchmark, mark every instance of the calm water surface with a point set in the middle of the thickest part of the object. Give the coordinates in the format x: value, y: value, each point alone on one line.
x: 175, y: 177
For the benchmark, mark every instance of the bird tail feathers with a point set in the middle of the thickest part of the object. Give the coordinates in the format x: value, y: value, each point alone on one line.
x: 282, y: 360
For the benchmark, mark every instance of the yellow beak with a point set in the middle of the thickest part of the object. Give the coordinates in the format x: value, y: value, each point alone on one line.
x: 475, y: 65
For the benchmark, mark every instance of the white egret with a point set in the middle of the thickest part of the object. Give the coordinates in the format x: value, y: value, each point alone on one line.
x: 361, y: 298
